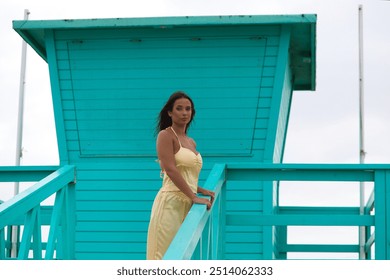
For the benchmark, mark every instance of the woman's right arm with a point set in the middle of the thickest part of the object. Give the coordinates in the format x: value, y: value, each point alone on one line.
x: 166, y: 155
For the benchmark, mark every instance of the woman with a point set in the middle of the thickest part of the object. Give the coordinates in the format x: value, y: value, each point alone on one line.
x: 180, y: 164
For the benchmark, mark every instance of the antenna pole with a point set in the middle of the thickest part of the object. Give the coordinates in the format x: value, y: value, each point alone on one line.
x: 19, y: 138
x: 362, y: 153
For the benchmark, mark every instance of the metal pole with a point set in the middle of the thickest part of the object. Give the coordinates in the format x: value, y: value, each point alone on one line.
x: 19, y: 137
x: 362, y: 153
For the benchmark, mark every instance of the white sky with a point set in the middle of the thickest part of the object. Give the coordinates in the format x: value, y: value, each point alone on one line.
x: 324, y: 124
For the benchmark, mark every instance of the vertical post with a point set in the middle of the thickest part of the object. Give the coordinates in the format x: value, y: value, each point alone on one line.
x: 37, y: 235
x: 69, y: 214
x: 19, y: 137
x: 387, y: 214
x: 380, y: 215
x: 282, y: 236
x: 222, y: 221
x: 205, y: 241
x: 362, y: 229
x: 65, y: 222
x: 2, y: 244
x: 268, y: 209
x: 2, y: 241
x: 216, y: 228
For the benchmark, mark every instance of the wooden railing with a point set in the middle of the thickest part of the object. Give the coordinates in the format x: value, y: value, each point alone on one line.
x: 202, y: 233
x: 25, y: 210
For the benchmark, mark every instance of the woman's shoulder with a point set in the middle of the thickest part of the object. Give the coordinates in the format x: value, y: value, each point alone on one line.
x: 165, y: 134
x: 166, y: 139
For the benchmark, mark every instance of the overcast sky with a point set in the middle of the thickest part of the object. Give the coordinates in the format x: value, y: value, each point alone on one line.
x: 324, y: 124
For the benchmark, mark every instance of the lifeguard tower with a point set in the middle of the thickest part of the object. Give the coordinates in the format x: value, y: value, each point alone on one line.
x: 109, y: 79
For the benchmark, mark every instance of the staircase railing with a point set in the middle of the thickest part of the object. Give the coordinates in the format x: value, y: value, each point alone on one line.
x: 25, y: 210
x: 201, y: 234
x: 201, y: 227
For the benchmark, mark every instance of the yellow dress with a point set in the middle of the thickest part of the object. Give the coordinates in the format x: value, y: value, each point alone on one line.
x: 171, y: 205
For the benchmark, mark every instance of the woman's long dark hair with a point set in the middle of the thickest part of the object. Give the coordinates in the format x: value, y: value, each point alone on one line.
x: 164, y: 120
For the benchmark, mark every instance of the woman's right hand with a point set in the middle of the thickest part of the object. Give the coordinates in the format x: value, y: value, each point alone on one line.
x: 200, y: 200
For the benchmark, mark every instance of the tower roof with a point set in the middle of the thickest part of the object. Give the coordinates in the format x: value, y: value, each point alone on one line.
x: 302, y: 45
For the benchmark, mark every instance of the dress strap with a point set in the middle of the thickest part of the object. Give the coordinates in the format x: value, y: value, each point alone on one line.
x: 176, y: 135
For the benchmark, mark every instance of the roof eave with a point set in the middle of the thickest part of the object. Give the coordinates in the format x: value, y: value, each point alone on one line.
x: 33, y: 32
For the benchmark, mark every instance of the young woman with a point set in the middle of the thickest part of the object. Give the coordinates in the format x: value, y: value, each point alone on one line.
x: 180, y: 165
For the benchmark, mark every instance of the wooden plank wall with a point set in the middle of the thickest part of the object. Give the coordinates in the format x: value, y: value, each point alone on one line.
x: 113, y: 82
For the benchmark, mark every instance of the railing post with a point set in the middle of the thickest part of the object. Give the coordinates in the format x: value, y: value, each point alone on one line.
x: 68, y: 222
x: 37, y: 236
x: 387, y: 214
x: 2, y: 244
x: 8, y: 241
x: 71, y: 219
x: 218, y: 227
x: 2, y: 241
x: 382, y: 214
x: 282, y: 241
x: 222, y: 222
x: 218, y: 219
x: 54, y: 223
x: 268, y: 209
x: 32, y: 228
x: 205, y: 242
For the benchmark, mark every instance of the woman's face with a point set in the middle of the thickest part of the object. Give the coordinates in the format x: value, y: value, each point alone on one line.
x: 181, y: 112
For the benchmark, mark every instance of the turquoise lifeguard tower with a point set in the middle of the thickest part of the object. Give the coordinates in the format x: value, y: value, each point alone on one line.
x: 109, y: 79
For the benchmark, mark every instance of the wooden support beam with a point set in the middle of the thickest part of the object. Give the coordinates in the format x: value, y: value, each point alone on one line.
x: 320, y: 248
x: 25, y: 173
x: 300, y: 220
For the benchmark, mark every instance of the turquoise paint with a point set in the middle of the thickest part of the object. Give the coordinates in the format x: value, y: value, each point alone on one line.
x: 273, y: 147
x: 387, y: 214
x: 289, y: 216
x: 26, y: 200
x: 25, y: 173
x: 281, y: 241
x: 301, y: 220
x: 381, y: 215
x: 31, y: 230
x: 311, y: 216
x: 57, y: 102
x: 25, y: 209
x: 268, y: 209
x: 318, y: 248
x: 92, y: 143
x: 2, y: 244
x: 304, y: 33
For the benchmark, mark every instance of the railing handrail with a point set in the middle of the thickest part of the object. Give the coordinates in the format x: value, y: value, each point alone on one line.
x: 189, y: 234
x: 310, y: 172
x: 26, y: 173
x: 309, y: 166
x: 33, y: 196
x: 186, y: 239
x: 27, y: 204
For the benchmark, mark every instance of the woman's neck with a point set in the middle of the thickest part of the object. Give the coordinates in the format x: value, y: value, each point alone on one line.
x: 180, y: 130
